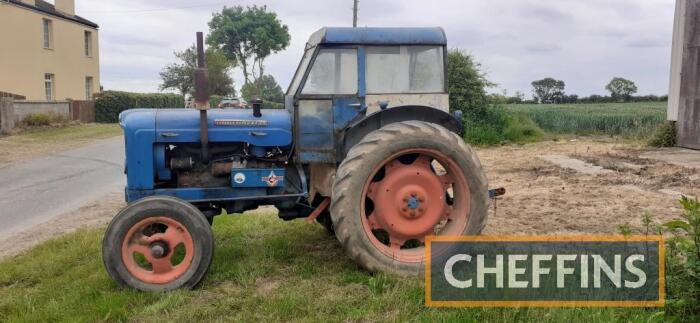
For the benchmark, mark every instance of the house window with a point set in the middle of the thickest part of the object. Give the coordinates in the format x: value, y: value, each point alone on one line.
x: 88, y: 88
x: 88, y: 44
x: 48, y: 33
x: 49, y: 86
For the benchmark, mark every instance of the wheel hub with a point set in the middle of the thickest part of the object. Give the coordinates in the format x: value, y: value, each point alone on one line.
x: 409, y: 201
x: 159, y: 249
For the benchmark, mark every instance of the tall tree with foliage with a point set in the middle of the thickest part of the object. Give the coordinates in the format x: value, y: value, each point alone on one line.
x: 621, y: 89
x: 265, y: 88
x: 467, y: 84
x: 248, y: 36
x: 548, y: 90
x: 180, y: 75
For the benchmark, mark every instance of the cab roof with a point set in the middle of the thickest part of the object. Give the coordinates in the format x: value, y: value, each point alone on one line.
x: 379, y: 36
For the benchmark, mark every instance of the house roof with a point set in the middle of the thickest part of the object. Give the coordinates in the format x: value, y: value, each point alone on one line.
x: 379, y: 36
x: 49, y: 9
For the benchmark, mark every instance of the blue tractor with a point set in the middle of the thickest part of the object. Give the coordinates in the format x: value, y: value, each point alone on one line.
x: 366, y: 146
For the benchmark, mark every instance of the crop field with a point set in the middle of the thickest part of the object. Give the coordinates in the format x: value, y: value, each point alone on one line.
x: 630, y: 120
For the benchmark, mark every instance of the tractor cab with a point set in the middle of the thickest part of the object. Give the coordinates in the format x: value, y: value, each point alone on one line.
x: 351, y: 72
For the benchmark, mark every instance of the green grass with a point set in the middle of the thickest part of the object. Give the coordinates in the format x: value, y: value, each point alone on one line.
x: 37, y: 141
x: 70, y: 132
x: 263, y: 270
x: 629, y: 120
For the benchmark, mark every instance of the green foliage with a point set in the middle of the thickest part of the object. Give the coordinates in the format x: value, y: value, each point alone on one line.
x: 40, y: 119
x: 265, y: 88
x: 486, y: 121
x: 683, y: 263
x: 665, y: 135
x: 467, y: 86
x: 521, y: 129
x: 180, y: 76
x: 110, y: 103
x: 624, y: 229
x: 247, y: 36
x: 214, y: 100
x: 621, y: 89
x: 501, y: 126
x: 630, y: 120
x: 548, y: 90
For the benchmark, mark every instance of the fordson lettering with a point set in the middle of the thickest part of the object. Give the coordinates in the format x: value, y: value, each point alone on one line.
x: 240, y: 123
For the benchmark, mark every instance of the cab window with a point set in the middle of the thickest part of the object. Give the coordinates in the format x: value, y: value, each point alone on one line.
x: 405, y: 69
x: 334, y: 72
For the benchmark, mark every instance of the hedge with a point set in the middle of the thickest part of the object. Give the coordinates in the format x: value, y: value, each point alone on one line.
x: 109, y: 104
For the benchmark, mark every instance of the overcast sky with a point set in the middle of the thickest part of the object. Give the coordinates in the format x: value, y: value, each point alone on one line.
x: 583, y: 42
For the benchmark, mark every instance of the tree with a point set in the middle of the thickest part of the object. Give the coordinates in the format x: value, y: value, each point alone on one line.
x: 621, y: 89
x: 548, y: 90
x: 265, y: 88
x: 467, y: 84
x: 180, y: 75
x: 248, y: 36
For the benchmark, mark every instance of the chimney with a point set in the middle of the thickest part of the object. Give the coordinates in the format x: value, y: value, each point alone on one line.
x: 66, y: 6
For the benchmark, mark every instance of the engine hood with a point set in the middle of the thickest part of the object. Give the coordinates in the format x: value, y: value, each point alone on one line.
x: 273, y: 129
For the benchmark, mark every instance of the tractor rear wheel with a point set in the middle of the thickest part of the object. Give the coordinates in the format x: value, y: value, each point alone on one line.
x: 401, y: 183
x: 158, y: 244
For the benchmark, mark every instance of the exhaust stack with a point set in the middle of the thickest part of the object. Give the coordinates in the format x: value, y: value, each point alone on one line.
x: 201, y: 96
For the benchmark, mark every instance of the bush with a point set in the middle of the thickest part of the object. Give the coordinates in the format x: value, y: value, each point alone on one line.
x: 214, y: 100
x: 521, y: 129
x: 40, y: 119
x: 467, y: 86
x: 497, y: 125
x: 683, y: 263
x: 272, y: 105
x: 110, y: 103
x: 486, y: 122
x: 665, y: 135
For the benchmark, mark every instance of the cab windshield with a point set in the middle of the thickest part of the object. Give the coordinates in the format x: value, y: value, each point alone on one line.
x: 301, y: 70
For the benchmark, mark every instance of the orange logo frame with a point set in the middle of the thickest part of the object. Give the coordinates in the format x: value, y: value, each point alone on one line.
x: 583, y: 238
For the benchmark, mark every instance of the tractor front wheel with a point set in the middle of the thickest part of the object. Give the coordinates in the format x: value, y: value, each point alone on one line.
x: 401, y: 183
x: 158, y: 244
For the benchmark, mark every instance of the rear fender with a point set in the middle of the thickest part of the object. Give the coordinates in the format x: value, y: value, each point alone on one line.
x: 360, y: 128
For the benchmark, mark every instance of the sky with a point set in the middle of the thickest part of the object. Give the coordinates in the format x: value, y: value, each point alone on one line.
x: 583, y: 42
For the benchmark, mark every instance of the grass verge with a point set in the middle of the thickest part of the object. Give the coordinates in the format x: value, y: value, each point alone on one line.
x: 32, y: 142
x: 263, y: 269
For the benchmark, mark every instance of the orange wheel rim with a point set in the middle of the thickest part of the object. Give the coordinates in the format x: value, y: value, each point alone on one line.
x: 158, y: 250
x: 410, y: 195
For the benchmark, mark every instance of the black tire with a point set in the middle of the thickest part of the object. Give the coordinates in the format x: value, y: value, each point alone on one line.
x: 325, y: 220
x: 362, y: 159
x: 159, y: 206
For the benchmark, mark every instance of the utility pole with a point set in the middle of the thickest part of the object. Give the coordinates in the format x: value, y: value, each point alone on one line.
x: 354, y: 13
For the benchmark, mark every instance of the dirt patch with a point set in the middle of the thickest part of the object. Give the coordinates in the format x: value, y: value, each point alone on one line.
x: 545, y: 199
x: 96, y: 214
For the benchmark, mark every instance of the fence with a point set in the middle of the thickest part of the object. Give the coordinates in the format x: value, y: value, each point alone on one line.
x: 14, y: 112
x: 83, y: 111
